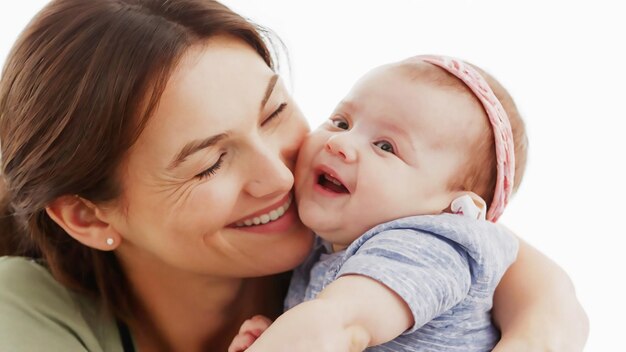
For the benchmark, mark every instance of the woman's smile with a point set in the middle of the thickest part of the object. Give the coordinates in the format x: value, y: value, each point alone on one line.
x: 275, y: 219
x: 269, y: 214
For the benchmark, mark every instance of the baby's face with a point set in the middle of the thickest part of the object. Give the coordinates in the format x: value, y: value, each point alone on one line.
x: 388, y: 150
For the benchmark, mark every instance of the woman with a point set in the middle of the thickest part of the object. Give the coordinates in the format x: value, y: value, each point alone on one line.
x: 138, y: 137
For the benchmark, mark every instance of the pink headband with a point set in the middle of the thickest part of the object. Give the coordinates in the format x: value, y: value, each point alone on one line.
x: 505, y: 149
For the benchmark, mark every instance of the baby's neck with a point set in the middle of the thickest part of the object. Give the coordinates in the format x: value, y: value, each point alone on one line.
x: 338, y: 247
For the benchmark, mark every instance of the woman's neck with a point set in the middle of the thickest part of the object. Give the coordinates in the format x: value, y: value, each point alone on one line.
x: 186, y: 316
x: 189, y: 312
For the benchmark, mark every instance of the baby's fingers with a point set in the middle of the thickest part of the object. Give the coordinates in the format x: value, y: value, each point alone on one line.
x: 255, y: 325
x: 250, y: 330
x: 241, y: 342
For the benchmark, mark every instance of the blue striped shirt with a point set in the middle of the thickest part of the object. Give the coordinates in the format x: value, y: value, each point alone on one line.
x: 445, y: 267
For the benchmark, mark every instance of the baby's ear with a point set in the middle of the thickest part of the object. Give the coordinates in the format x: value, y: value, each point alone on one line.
x: 81, y: 219
x: 469, y: 204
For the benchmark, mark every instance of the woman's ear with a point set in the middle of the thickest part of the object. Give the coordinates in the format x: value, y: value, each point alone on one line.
x: 469, y: 204
x: 80, y: 219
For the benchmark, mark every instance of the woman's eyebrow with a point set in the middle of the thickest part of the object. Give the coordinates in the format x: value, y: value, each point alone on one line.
x: 268, y: 91
x: 193, y: 147
x: 199, y: 144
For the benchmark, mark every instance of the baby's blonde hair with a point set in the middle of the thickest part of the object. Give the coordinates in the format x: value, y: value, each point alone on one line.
x: 478, y: 175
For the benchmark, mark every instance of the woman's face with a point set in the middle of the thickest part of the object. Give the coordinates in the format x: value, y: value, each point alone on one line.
x: 218, y: 154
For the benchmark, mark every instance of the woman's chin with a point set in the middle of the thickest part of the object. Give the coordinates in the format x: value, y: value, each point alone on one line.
x: 289, y: 253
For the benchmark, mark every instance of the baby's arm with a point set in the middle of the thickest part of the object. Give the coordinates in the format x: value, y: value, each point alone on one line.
x: 368, y: 306
x: 536, y: 308
x: 379, y: 295
x: 350, y: 314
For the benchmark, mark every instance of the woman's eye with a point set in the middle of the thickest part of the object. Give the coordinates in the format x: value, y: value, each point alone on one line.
x: 275, y: 114
x: 385, y: 146
x: 211, y: 170
x: 340, y: 123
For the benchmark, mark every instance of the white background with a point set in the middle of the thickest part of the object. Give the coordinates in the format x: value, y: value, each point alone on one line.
x: 564, y: 63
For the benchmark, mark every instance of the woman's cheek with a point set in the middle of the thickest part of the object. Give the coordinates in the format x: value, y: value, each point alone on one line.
x: 299, y: 129
x: 213, y: 200
x: 289, y: 155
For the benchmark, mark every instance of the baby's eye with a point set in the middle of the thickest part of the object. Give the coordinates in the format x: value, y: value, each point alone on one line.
x: 385, y: 146
x: 340, y: 123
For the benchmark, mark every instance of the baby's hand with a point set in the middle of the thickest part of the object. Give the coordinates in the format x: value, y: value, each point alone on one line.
x: 315, y: 325
x: 250, y: 330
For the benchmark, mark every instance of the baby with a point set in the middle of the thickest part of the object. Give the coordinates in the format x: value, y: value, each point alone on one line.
x: 398, y: 185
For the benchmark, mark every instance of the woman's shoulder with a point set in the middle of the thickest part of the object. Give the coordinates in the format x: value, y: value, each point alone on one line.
x: 29, y: 286
x: 17, y: 273
x: 38, y: 313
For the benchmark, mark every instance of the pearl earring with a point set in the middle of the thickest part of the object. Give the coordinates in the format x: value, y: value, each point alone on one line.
x: 110, y: 241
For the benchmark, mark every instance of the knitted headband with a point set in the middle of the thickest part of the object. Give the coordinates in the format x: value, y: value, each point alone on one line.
x: 503, y: 135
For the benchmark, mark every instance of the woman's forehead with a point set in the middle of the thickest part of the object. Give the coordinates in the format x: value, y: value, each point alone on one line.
x: 213, y: 88
x: 220, y: 72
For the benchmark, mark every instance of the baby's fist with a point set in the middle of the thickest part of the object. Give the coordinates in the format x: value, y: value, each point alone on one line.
x: 250, y: 330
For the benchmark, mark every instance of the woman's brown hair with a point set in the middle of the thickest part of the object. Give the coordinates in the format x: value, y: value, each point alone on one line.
x: 75, y: 93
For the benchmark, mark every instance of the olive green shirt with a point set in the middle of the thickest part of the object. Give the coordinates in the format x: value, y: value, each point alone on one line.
x: 37, y: 313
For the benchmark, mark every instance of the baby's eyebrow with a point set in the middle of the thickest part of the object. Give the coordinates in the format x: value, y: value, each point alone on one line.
x: 347, y: 105
x: 397, y: 130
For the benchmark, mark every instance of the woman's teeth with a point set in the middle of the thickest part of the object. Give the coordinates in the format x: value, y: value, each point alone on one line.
x: 267, y: 217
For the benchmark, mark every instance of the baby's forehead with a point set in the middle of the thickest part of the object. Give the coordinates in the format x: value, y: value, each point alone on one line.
x: 417, y: 71
x: 421, y: 99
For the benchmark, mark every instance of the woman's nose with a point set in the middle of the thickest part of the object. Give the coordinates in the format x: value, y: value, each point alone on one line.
x: 269, y: 175
x: 341, y: 146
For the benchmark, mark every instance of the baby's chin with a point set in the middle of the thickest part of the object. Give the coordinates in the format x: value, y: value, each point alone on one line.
x: 328, y: 231
x: 309, y: 220
x: 330, y: 226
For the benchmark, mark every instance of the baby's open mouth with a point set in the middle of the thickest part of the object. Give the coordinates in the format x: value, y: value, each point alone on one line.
x: 331, y: 184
